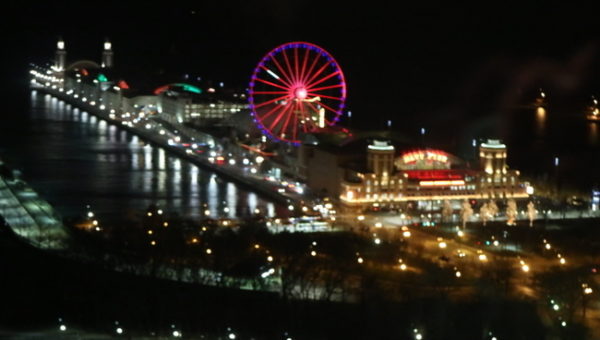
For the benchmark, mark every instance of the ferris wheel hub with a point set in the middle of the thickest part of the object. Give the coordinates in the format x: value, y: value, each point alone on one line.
x: 300, y: 93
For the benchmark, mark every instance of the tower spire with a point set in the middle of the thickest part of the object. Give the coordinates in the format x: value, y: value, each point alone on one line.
x: 107, y: 54
x: 60, y: 56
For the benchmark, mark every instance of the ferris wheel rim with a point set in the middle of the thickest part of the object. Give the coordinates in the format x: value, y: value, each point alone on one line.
x: 297, y: 85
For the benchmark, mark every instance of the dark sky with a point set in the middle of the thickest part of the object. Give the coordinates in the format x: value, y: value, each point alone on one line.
x: 417, y: 63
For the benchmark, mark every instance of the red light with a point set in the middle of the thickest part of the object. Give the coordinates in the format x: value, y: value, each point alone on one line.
x: 123, y: 85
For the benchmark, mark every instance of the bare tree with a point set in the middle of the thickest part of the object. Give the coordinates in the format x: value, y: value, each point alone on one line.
x: 465, y: 213
x: 511, y: 212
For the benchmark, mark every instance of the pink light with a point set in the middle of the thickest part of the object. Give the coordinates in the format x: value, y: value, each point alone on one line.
x: 300, y: 93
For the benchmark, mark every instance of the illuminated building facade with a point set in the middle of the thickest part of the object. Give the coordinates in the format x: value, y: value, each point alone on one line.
x: 392, y: 179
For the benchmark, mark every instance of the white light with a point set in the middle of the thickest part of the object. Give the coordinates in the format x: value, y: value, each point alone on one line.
x: 259, y: 159
x: 119, y: 330
x: 377, y: 241
x: 231, y: 336
x: 530, y: 190
x: 443, y: 245
x: 403, y: 267
x: 458, y: 274
x: 360, y: 260
x: 482, y: 257
x: 107, y: 46
x: 272, y: 74
x: 555, y: 307
x: 232, y: 161
x: 525, y: 268
x: 63, y: 328
x: 176, y: 334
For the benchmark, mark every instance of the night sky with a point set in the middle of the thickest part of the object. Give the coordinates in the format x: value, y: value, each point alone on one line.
x: 417, y: 64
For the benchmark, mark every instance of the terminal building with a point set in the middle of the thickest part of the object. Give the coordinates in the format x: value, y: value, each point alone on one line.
x: 385, y: 177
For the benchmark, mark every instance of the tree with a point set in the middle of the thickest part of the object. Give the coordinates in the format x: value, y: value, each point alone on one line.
x: 465, y: 213
x: 447, y: 211
x: 484, y: 213
x: 511, y: 212
x: 531, y: 212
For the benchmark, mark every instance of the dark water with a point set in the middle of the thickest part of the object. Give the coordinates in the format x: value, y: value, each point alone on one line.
x: 74, y: 159
x: 534, y: 138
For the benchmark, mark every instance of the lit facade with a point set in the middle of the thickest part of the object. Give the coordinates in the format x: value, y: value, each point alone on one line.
x: 392, y: 180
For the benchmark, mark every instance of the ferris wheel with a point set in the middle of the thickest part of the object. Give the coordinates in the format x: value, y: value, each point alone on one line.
x: 296, y: 88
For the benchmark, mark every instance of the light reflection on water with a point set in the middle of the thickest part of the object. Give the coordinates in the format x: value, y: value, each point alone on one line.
x: 75, y: 159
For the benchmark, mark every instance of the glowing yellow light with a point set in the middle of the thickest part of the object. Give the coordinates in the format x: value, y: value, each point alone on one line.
x: 441, y: 183
x: 208, y: 251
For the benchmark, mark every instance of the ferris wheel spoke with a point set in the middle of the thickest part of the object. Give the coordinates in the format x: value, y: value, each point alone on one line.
x: 273, y: 110
x: 285, y: 75
x: 302, y: 74
x: 287, y: 120
x: 324, y: 88
x: 322, y: 79
x: 295, y: 127
x: 274, y: 75
x: 271, y: 83
x: 271, y: 92
x: 324, y: 96
x: 289, y: 68
x: 270, y: 101
x: 310, y: 69
x: 296, y: 64
x: 275, y: 121
x: 316, y: 74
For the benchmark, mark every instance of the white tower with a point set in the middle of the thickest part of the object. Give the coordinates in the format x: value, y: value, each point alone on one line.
x: 107, y: 55
x: 60, y: 57
x: 380, y: 158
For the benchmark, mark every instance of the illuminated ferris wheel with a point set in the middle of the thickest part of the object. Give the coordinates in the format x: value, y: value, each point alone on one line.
x: 296, y: 88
